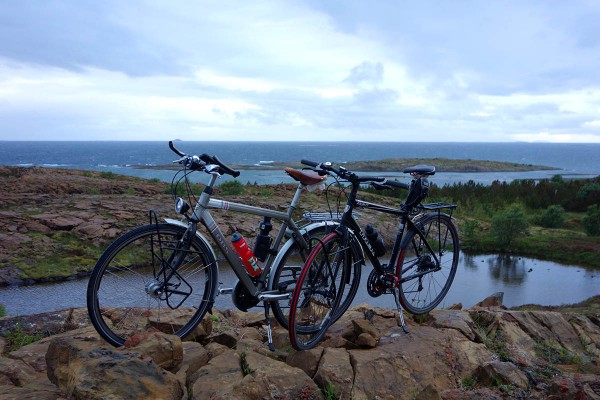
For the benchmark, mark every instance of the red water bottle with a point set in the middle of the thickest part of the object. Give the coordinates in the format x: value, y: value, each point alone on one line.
x: 246, y: 254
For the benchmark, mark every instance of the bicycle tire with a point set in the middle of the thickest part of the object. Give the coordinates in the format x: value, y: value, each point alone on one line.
x: 420, y: 295
x: 288, y: 267
x: 118, y: 299
x: 319, y: 291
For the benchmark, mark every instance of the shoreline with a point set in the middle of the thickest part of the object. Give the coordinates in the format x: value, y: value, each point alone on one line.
x: 388, y: 165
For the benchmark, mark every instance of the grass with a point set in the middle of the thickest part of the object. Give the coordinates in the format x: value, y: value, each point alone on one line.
x: 554, y: 354
x: 244, y: 364
x: 70, y: 256
x: 108, y: 175
x: 498, y: 346
x: 492, y: 340
x: 329, y: 392
x: 468, y: 383
x: 17, y: 338
x: 231, y: 188
x: 568, y: 244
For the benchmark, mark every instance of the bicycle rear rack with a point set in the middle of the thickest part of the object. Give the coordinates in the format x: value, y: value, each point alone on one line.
x: 322, y: 216
x: 439, y: 206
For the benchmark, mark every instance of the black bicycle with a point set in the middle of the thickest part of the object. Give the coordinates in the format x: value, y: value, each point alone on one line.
x: 419, y: 272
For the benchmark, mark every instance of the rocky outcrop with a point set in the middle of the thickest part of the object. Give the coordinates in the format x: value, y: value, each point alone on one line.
x: 484, y: 352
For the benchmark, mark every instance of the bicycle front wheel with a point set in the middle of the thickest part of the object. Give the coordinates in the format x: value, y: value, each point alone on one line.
x: 319, y: 292
x: 287, y: 269
x: 145, y: 281
x: 427, y: 263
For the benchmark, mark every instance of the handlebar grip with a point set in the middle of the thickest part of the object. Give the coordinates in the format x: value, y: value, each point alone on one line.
x: 310, y: 163
x: 225, y: 168
x: 397, y: 184
x: 172, y: 147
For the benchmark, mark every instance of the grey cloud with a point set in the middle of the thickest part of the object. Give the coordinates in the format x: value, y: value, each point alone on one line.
x: 74, y: 35
x: 366, y: 72
x: 375, y: 97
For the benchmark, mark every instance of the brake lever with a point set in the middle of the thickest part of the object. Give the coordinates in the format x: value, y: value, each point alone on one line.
x: 180, y: 161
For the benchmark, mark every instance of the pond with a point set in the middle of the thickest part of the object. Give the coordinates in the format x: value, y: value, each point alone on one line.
x: 523, y: 281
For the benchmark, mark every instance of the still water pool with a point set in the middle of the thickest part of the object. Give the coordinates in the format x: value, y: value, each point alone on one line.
x: 523, y: 281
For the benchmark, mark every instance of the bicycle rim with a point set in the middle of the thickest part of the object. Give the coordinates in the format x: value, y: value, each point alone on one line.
x: 318, y: 293
x: 286, y: 273
x: 126, y: 293
x: 427, y: 271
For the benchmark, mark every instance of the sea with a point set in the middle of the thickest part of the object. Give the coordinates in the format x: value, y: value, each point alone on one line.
x: 570, y: 160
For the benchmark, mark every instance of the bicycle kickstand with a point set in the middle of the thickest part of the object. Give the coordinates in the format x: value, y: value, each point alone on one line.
x: 400, y: 310
x: 268, y: 322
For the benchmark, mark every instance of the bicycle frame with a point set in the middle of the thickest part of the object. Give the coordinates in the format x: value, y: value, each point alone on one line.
x: 201, y: 214
x: 396, y: 258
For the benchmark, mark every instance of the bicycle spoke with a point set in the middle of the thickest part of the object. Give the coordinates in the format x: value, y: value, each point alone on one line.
x: 126, y: 295
x: 429, y: 265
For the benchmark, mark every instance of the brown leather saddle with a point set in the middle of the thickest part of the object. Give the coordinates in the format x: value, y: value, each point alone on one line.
x: 305, y: 177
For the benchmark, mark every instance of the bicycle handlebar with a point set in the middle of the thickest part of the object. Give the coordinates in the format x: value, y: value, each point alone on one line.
x: 194, y: 164
x: 351, y: 176
x: 310, y: 163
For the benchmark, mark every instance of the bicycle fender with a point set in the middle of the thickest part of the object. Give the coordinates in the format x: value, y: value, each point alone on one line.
x: 290, y: 242
x: 199, y: 235
x: 356, y: 248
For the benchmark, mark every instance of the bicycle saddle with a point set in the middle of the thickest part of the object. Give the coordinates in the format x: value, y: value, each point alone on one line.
x: 420, y: 169
x: 305, y: 177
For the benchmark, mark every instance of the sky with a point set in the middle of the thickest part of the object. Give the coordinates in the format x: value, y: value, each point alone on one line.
x: 329, y: 70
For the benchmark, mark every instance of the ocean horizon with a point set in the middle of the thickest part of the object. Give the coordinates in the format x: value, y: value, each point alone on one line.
x: 571, y: 160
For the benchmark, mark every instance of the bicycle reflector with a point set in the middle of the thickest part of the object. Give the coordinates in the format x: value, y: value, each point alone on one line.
x: 181, y: 206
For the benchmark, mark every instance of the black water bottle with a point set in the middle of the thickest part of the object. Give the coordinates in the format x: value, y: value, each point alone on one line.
x: 375, y: 240
x: 262, y: 245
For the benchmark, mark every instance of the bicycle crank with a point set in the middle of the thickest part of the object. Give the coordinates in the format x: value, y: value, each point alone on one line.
x: 378, y: 284
x: 242, y: 298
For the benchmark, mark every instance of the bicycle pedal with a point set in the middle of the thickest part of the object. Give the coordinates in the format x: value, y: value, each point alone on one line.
x: 225, y: 291
x: 274, y: 297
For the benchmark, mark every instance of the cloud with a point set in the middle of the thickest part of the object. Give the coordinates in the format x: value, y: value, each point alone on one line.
x: 146, y: 70
x: 555, y: 138
x: 366, y: 72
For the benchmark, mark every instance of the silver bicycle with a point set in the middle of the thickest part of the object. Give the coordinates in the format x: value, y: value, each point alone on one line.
x: 165, y: 276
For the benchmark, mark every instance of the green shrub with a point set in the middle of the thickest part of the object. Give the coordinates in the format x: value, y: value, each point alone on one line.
x: 470, y: 229
x: 589, y: 190
x: 107, y: 175
x: 231, y: 188
x: 182, y: 190
x: 591, y: 222
x: 509, y: 225
x: 552, y: 217
x: 2, y: 310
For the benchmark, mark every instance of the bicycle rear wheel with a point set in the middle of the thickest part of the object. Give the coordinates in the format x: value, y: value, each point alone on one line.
x: 136, y: 285
x: 427, y: 263
x: 319, y: 291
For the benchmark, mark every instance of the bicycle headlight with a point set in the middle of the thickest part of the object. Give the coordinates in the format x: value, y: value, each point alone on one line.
x: 181, y: 206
